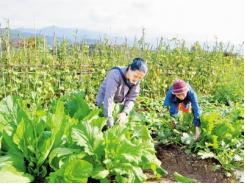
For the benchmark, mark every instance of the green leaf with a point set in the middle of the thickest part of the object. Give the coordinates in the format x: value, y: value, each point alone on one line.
x: 125, y: 146
x: 136, y: 117
x: 221, y: 130
x: 12, y: 159
x: 57, y: 153
x: 8, y: 143
x: 183, y: 179
x: 76, y: 106
x: 215, y: 142
x: 99, y: 123
x: 9, y: 174
x: 94, y: 118
x: 45, y: 145
x: 78, y: 171
x: 9, y: 110
x: 118, y: 147
x: 206, y: 154
x: 58, y: 123
x: 91, y: 138
x: 19, y: 136
x: 142, y: 133
x: 187, y: 138
x: 52, y: 138
x: 24, y: 137
x: 161, y: 171
x: 127, y: 151
x: 1, y: 136
x: 100, y: 173
x: 127, y: 172
x: 74, y: 170
x: 93, y: 114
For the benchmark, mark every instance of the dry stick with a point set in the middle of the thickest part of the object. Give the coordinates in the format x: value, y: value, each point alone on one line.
x: 10, y: 81
x: 44, y: 46
x: 54, y: 47
x: 80, y: 76
x: 4, y: 85
x: 35, y: 46
x: 28, y: 79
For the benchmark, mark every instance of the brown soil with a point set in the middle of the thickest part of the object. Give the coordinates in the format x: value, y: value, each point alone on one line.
x: 174, y: 158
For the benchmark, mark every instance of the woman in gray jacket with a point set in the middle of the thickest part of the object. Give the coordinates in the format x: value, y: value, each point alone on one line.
x: 121, y: 85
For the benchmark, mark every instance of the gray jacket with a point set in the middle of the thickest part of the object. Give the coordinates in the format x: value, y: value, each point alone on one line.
x: 114, y: 89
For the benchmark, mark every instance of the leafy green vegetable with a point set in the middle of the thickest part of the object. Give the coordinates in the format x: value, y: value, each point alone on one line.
x: 183, y: 179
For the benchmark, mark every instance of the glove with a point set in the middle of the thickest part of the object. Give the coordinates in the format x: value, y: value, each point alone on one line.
x: 110, y: 122
x: 197, y: 134
x: 122, y: 117
x: 173, y: 122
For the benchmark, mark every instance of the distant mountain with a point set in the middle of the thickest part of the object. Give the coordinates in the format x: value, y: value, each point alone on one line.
x: 93, y: 37
x: 70, y: 34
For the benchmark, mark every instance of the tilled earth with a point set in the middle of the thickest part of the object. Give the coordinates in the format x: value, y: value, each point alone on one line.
x: 174, y: 158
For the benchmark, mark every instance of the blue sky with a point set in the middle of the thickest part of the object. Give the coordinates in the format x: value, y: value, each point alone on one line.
x: 203, y: 20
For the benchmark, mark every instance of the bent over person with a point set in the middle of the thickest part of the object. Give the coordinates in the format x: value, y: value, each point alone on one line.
x: 121, y: 85
x: 182, y: 97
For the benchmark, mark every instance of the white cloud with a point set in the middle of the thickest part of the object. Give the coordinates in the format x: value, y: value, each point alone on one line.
x: 192, y: 19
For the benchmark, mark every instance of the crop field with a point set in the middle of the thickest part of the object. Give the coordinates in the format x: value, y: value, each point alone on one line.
x: 51, y: 130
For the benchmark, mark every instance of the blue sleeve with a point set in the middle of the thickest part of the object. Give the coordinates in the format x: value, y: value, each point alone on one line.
x: 173, y: 108
x: 195, y: 108
x: 166, y: 102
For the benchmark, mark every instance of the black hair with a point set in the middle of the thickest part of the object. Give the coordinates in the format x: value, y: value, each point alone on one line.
x: 138, y: 64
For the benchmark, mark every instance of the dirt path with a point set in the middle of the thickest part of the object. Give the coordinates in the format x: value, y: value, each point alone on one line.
x: 174, y: 158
